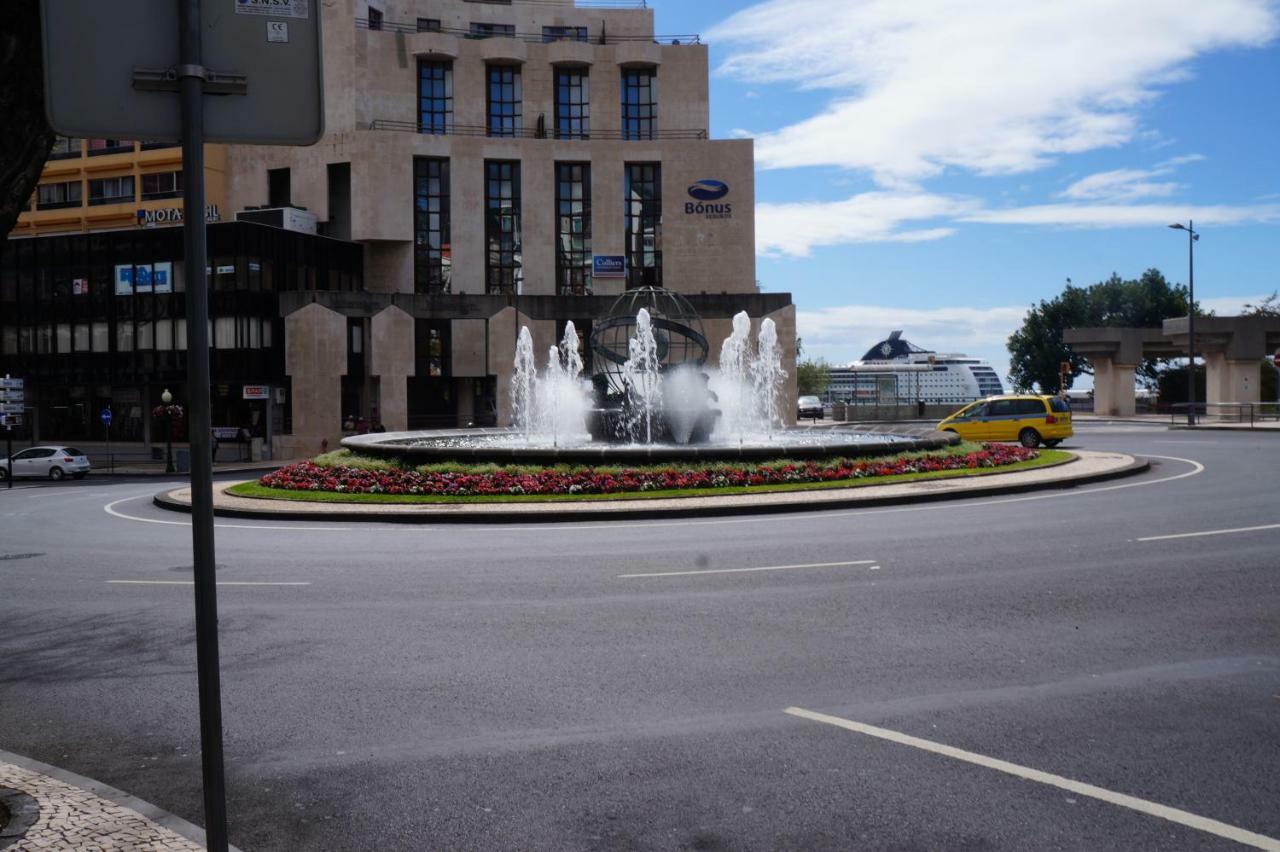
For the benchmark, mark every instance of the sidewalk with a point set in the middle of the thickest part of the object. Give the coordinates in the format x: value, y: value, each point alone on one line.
x: 51, y: 808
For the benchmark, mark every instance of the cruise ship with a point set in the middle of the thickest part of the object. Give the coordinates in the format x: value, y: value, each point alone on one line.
x: 897, y: 372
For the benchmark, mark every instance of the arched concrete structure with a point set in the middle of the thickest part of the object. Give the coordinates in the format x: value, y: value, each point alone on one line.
x: 1232, y: 349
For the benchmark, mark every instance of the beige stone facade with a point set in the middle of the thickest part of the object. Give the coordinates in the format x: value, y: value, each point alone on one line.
x: 360, y: 182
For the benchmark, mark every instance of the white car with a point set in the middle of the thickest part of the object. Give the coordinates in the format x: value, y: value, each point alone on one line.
x: 53, y: 462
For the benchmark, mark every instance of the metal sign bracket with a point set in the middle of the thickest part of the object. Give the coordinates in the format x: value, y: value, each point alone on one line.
x: 169, y: 80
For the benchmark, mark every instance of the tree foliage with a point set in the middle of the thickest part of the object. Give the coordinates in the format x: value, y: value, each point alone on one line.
x: 27, y: 139
x: 812, y: 377
x: 1036, y: 349
x: 1268, y: 307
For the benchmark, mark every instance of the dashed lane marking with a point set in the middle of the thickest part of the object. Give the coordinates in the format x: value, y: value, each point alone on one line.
x: 1210, y: 532
x: 749, y: 570
x: 1181, y: 817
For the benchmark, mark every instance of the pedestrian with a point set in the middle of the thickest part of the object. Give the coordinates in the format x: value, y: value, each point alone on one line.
x: 213, y: 444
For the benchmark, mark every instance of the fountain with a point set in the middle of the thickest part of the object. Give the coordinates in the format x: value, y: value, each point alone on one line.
x: 650, y: 397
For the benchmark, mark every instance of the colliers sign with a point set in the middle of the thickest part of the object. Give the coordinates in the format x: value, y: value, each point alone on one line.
x: 708, y: 194
x: 173, y: 216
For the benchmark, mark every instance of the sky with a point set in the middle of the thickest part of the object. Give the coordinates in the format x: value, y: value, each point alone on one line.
x: 939, y: 166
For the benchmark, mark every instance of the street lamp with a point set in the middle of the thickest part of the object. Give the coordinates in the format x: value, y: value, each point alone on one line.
x: 1192, y: 238
x: 167, y: 398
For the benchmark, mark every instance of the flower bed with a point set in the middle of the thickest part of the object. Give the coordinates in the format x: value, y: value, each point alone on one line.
x: 346, y: 479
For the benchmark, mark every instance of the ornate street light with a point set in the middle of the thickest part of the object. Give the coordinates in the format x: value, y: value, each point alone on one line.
x: 167, y: 399
x: 1192, y: 238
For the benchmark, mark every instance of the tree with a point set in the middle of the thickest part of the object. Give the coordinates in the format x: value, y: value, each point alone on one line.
x: 812, y: 377
x: 25, y: 144
x: 1268, y: 307
x: 1037, y: 350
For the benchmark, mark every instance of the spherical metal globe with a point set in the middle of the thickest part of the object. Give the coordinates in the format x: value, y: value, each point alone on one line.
x: 677, y: 329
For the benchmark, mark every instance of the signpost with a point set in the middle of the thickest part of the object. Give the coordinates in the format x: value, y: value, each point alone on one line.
x: 112, y: 69
x: 13, y: 393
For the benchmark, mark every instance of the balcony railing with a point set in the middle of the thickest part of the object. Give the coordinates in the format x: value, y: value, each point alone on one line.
x: 533, y: 133
x: 602, y: 37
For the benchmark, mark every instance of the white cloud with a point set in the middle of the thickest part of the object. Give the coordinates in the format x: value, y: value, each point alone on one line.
x: 1129, y: 184
x: 796, y: 228
x: 991, y: 86
x: 1128, y: 215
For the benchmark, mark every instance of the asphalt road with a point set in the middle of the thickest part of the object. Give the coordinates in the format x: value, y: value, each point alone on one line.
x: 508, y: 687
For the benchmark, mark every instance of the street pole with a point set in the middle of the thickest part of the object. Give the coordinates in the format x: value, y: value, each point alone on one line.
x: 1191, y: 321
x: 192, y: 75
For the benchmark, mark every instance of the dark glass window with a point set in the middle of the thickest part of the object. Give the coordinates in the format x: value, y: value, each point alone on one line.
x: 54, y: 196
x: 502, y: 227
x: 152, y: 146
x: 504, y: 100
x: 65, y: 147
x: 573, y: 229
x: 428, y: 25
x: 111, y: 190
x: 480, y: 29
x: 573, y: 104
x: 375, y: 18
x: 279, y: 187
x: 433, y: 262
x: 564, y: 34
x: 435, y: 97
x: 639, y: 104
x: 643, y: 221
x: 109, y: 146
x: 162, y: 185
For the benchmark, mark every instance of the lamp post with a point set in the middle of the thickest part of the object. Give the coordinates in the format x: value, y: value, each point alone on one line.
x: 167, y: 399
x: 1192, y: 238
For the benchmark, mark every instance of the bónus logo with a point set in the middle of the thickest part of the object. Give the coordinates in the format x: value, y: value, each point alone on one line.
x: 709, y: 190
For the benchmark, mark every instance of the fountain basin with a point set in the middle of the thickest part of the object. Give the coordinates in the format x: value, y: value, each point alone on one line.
x: 508, y: 446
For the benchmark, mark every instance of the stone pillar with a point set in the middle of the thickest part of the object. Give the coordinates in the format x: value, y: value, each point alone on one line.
x: 1230, y: 380
x: 316, y: 360
x: 1113, y: 390
x: 392, y: 359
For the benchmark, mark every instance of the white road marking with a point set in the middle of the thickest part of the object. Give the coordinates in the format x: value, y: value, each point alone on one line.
x: 874, y: 568
x: 1210, y: 532
x: 748, y: 570
x: 192, y: 583
x: 1196, y: 469
x: 1181, y: 817
x: 110, y: 510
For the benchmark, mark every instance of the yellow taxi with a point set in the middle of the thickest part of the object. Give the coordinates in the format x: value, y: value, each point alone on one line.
x: 1029, y: 419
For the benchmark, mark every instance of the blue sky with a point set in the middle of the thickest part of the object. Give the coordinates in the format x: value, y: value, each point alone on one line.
x: 940, y: 165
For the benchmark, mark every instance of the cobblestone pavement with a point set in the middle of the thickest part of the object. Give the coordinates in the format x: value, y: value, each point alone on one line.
x: 72, y: 818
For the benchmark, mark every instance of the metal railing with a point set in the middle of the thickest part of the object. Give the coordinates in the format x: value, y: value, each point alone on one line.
x: 532, y: 133
x: 603, y: 37
x: 1227, y: 412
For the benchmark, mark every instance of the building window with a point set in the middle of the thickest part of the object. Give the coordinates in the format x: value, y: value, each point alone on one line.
x: 152, y: 146
x: 433, y: 261
x: 279, y: 187
x: 428, y: 25
x: 480, y: 29
x: 502, y: 227
x: 111, y: 190
x: 639, y: 104
x: 504, y: 100
x: 162, y: 185
x: 435, y: 97
x: 573, y: 229
x: 375, y: 18
x: 109, y: 146
x: 55, y: 196
x: 564, y: 34
x: 643, y: 220
x: 573, y: 104
x: 64, y: 147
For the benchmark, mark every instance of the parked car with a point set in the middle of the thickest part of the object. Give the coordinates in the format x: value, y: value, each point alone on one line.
x: 809, y: 406
x: 1027, y: 418
x: 53, y: 462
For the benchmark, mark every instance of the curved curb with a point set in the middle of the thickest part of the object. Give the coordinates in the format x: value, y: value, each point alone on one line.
x: 160, y: 817
x: 165, y: 500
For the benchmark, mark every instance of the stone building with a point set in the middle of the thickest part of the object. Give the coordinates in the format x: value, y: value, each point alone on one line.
x: 494, y: 164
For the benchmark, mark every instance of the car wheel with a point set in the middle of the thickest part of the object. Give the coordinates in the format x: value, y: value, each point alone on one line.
x: 1029, y: 438
x: 4, y: 473
x: 56, y: 474
x: 1055, y: 442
